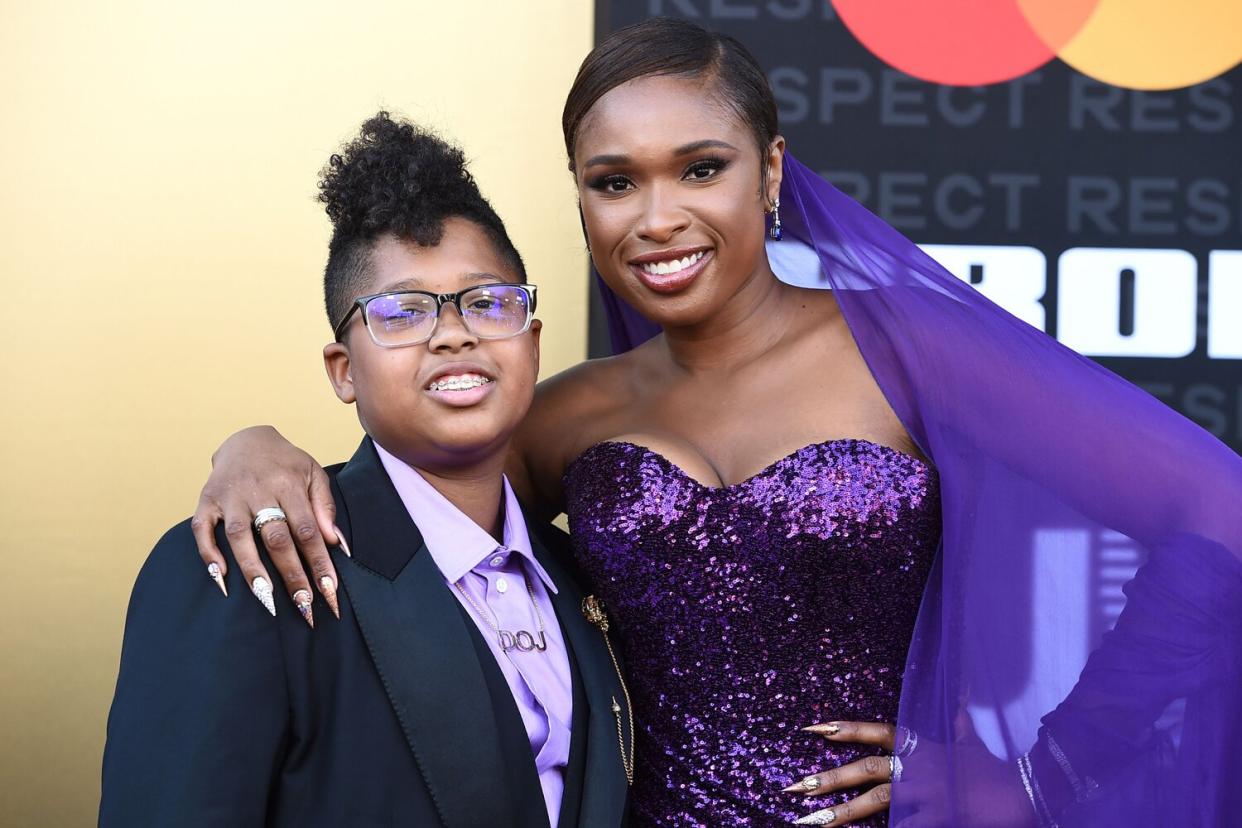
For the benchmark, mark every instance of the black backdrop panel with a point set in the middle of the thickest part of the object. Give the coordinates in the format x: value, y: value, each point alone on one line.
x: 1111, y: 218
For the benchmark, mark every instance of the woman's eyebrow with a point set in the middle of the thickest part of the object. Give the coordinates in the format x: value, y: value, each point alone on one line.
x: 606, y: 160
x: 684, y: 149
x: 706, y: 143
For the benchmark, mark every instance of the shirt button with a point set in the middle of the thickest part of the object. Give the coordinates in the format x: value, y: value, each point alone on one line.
x: 502, y: 586
x: 497, y: 561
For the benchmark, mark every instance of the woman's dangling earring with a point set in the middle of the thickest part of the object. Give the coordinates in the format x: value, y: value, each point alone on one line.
x: 775, y: 232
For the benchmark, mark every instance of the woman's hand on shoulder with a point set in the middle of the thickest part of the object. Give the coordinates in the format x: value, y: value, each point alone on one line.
x: 254, y: 470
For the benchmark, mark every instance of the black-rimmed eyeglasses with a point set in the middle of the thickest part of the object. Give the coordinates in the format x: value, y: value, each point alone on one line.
x: 409, y: 317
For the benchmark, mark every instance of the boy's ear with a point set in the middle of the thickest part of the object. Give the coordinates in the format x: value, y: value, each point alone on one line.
x: 336, y: 363
x: 536, y: 328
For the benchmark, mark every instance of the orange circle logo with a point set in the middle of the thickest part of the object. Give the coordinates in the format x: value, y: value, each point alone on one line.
x: 1138, y: 44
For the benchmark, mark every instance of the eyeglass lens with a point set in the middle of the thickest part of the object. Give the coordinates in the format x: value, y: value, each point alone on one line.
x: 488, y: 312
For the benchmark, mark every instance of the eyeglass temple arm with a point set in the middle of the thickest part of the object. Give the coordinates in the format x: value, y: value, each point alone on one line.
x: 340, y: 326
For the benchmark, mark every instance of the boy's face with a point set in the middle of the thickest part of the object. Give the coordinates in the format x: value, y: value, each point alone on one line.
x: 437, y: 429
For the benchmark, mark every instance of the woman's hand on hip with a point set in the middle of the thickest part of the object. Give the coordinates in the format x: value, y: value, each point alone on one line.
x: 873, y: 773
x: 988, y: 790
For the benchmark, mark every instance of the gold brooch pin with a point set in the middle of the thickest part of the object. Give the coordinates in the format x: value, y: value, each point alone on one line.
x: 593, y: 609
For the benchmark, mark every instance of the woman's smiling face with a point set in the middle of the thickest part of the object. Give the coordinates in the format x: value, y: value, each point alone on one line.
x: 674, y: 195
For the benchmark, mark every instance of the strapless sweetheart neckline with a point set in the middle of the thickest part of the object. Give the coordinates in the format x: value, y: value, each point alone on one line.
x: 766, y: 470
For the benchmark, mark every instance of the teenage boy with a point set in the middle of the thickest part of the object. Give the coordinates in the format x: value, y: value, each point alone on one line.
x: 462, y: 684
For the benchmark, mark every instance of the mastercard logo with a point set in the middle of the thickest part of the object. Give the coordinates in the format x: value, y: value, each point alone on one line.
x: 1138, y: 44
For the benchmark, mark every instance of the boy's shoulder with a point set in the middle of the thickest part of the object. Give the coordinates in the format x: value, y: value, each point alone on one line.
x: 553, y: 537
x: 173, y: 580
x: 175, y: 554
x: 175, y: 604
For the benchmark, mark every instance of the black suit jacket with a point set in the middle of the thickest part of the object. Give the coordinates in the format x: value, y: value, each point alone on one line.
x: 397, y: 715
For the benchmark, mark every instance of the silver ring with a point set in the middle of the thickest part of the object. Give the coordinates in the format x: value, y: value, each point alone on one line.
x: 895, y: 768
x: 266, y: 516
x: 909, y: 741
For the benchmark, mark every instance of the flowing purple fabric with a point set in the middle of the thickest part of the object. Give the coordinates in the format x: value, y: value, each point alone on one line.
x: 1083, y: 620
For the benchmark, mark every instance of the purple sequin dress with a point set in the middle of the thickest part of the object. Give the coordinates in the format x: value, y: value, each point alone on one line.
x: 749, y: 611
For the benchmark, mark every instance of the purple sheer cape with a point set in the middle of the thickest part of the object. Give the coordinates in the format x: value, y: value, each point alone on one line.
x: 1083, y: 622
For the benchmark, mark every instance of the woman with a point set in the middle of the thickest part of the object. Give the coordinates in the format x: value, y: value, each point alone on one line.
x: 753, y: 492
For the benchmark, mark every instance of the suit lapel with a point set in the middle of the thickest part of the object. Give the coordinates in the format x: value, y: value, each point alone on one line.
x: 528, y: 805
x: 604, y: 788
x: 421, y: 647
x: 571, y: 799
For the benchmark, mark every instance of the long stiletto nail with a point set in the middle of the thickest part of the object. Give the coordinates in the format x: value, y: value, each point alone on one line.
x: 327, y: 586
x: 803, y: 786
x: 824, y: 817
x: 302, y: 600
x: 213, y: 569
x: 340, y: 541
x: 823, y: 729
x: 263, y: 591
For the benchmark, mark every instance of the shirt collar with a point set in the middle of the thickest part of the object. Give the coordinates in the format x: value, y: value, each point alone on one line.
x: 457, y: 544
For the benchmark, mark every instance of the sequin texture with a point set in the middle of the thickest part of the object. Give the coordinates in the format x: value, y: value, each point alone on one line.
x: 749, y: 611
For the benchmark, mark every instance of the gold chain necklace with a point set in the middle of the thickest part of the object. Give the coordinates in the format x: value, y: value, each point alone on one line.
x: 522, y: 641
x: 593, y: 609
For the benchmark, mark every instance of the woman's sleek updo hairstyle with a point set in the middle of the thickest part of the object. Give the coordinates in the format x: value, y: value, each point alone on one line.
x: 669, y: 46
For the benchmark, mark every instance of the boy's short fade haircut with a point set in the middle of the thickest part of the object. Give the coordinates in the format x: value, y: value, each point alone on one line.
x: 396, y: 178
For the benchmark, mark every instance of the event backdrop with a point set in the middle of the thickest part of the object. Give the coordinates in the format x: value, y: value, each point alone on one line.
x: 1102, y: 204
x: 161, y: 271
x: 162, y: 252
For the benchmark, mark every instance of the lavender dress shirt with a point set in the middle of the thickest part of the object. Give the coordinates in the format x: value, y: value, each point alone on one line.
x: 495, y: 577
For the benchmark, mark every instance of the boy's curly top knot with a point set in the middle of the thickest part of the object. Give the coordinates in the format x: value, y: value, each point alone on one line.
x: 396, y: 178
